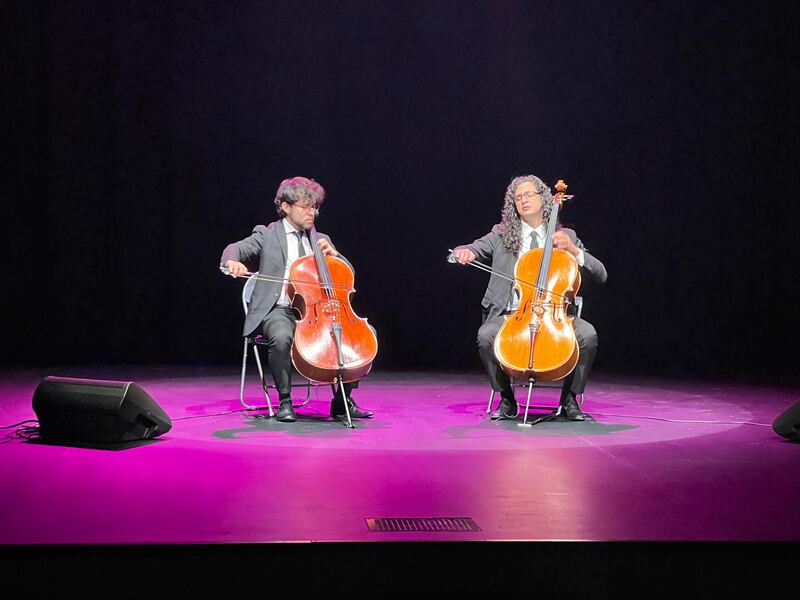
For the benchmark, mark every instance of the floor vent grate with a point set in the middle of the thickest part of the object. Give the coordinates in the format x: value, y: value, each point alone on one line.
x: 433, y: 524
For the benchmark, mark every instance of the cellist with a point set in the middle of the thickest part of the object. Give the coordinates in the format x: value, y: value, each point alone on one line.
x: 526, y: 208
x: 271, y: 250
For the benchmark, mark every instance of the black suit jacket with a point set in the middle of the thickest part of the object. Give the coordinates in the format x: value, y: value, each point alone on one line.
x: 490, y: 249
x: 265, y: 251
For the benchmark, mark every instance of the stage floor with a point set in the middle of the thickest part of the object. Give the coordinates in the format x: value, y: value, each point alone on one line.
x: 660, y: 460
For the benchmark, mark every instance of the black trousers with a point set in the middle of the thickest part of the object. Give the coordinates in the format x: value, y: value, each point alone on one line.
x: 277, y: 330
x: 575, y: 382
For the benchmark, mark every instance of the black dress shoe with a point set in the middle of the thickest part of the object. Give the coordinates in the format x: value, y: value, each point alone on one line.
x: 286, y: 412
x: 337, y: 410
x: 506, y: 410
x: 571, y: 410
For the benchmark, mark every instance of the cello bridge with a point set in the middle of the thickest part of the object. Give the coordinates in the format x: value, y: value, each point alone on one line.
x: 332, y: 308
x: 328, y: 308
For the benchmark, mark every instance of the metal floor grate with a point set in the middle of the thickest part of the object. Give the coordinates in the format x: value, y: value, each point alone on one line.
x: 432, y: 524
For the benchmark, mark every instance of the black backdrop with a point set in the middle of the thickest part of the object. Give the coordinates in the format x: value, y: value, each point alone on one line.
x: 142, y: 137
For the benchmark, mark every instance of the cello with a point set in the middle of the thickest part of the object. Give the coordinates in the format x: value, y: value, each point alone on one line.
x: 538, y: 341
x: 331, y: 343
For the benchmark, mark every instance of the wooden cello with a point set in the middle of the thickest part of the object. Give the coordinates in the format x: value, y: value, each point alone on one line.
x: 538, y: 341
x: 331, y: 344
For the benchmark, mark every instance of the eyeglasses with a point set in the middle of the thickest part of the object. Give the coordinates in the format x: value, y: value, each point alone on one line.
x: 305, y: 207
x: 526, y: 196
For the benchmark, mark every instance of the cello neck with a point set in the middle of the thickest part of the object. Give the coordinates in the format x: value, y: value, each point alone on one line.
x: 552, y: 223
x: 547, y: 250
x: 322, y: 266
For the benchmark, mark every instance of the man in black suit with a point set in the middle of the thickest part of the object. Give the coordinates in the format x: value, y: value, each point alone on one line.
x: 527, y: 207
x: 273, y: 248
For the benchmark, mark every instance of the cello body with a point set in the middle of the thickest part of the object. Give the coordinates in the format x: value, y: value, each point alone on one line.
x: 538, y: 338
x: 331, y: 341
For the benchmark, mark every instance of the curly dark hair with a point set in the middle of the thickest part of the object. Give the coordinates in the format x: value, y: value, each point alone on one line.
x: 296, y: 189
x: 510, y: 220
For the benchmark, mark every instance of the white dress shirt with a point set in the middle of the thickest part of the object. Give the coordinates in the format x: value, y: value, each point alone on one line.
x: 291, y: 255
x: 540, y: 232
x: 527, y: 234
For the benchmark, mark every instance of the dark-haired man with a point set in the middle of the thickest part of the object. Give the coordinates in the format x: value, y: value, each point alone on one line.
x: 271, y: 250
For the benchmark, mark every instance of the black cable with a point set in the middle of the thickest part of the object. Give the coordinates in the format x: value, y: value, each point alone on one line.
x: 229, y: 412
x: 29, y: 432
x: 18, y: 424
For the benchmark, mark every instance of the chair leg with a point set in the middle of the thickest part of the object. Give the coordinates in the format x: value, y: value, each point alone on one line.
x: 241, y: 383
x: 308, y: 386
x: 263, y: 381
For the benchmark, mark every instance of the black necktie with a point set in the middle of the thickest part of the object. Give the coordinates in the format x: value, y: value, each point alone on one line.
x: 301, y: 250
